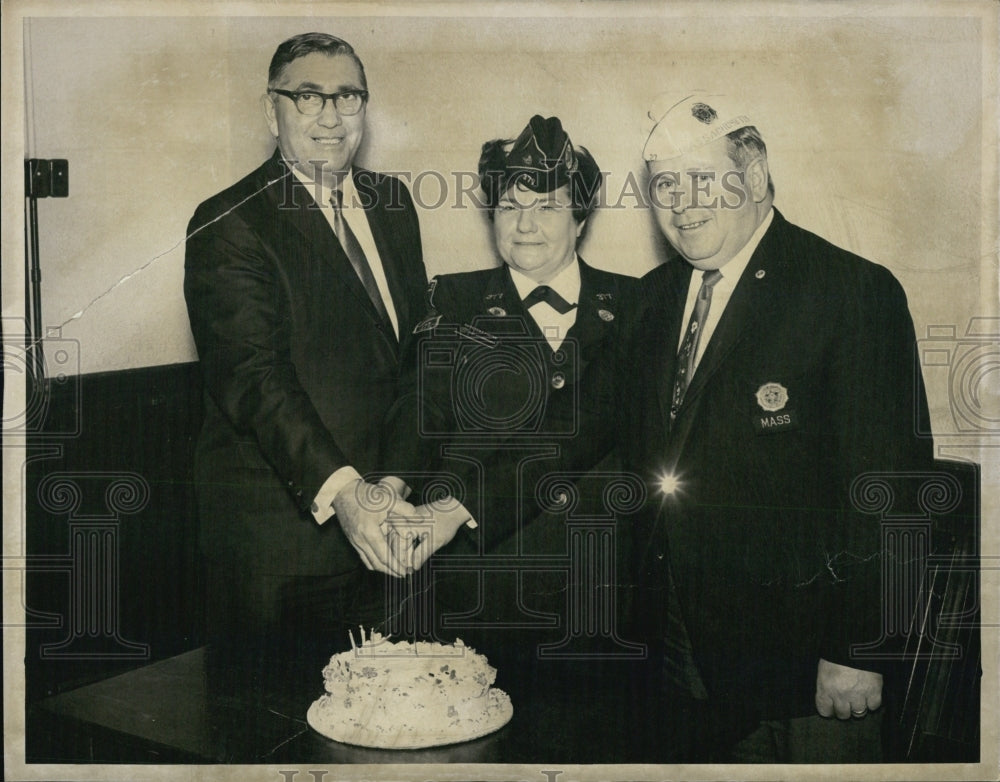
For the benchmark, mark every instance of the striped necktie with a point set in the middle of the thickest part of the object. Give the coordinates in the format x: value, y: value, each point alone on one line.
x: 356, y: 256
x: 689, y: 347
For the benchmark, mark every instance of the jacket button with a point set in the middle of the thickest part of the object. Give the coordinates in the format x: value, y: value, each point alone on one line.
x: 558, y: 380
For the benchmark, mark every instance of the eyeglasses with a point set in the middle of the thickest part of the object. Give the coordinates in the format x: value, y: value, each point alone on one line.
x: 311, y: 104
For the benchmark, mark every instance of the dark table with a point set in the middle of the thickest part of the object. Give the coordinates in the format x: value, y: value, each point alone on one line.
x: 178, y: 711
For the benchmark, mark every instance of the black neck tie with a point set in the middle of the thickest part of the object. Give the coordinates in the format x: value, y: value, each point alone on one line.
x: 550, y: 297
x: 356, y: 256
x: 689, y: 347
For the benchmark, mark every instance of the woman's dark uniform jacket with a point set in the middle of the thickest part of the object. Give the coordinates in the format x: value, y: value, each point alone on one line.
x: 486, y: 377
x: 299, y: 369
x: 774, y: 565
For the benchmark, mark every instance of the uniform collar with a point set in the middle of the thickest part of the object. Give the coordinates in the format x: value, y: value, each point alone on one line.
x: 566, y: 283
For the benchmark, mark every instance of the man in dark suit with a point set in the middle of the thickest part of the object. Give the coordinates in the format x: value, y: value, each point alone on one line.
x: 300, y: 280
x: 768, y: 371
x: 793, y: 375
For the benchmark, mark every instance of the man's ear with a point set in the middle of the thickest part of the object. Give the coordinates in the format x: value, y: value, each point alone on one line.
x: 756, y: 179
x: 267, y: 103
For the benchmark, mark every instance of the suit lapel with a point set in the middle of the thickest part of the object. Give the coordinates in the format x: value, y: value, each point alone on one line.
x: 599, y: 307
x: 669, y: 292
x: 588, y: 328
x: 750, y: 301
x: 501, y: 300
x: 379, y: 224
x: 296, y: 204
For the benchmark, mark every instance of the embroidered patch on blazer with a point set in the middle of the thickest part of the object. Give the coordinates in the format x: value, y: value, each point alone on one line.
x: 772, y: 397
x: 771, y: 423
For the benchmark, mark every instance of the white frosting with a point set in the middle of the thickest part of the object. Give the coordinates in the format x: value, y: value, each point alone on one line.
x: 405, y: 694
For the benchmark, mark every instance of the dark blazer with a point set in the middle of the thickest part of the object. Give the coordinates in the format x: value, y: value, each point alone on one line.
x: 486, y: 373
x: 775, y: 566
x: 299, y: 370
x: 487, y: 380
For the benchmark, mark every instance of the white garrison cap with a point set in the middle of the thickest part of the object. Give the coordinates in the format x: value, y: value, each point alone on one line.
x: 678, y: 123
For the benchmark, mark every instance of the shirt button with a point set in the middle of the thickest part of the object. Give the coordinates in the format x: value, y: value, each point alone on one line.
x: 558, y: 380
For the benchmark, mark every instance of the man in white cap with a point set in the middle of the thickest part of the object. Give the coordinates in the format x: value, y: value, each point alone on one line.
x: 767, y: 371
x: 787, y: 371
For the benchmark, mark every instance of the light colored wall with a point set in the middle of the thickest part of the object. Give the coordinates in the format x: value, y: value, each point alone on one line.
x: 874, y: 126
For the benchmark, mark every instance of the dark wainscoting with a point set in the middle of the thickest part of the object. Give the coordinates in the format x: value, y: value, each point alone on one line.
x: 113, y: 578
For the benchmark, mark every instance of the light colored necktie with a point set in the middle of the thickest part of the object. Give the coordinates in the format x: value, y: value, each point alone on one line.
x: 356, y: 255
x: 689, y: 347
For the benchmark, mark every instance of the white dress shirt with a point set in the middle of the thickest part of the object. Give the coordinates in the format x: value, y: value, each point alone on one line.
x: 553, y: 324
x: 354, y: 215
x: 722, y: 291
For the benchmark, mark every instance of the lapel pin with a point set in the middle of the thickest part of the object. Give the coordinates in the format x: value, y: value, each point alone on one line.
x: 760, y: 274
x: 606, y: 315
x: 497, y: 311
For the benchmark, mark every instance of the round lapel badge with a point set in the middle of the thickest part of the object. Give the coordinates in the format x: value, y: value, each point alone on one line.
x: 772, y: 397
x: 498, y: 312
x: 606, y: 315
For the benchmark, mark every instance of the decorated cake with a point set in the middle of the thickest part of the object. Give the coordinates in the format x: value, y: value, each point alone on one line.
x: 408, y: 695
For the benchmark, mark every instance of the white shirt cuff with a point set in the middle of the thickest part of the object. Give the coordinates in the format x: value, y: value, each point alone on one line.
x: 322, y: 507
